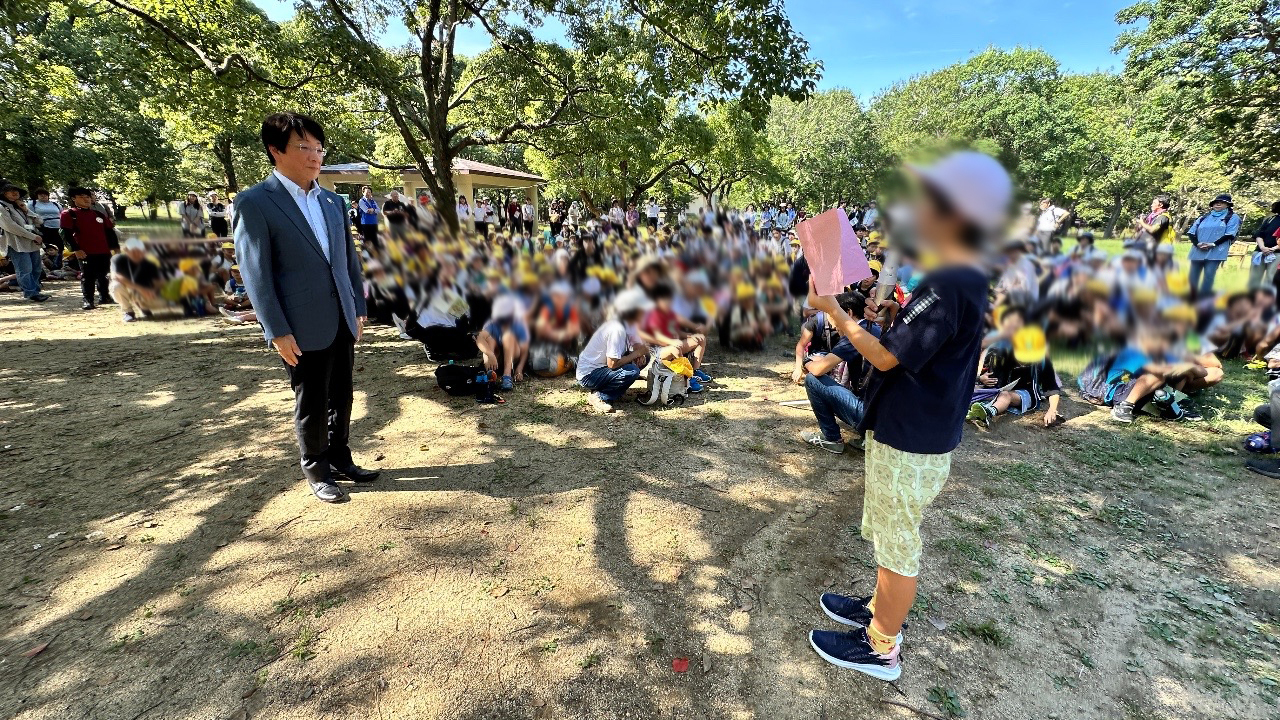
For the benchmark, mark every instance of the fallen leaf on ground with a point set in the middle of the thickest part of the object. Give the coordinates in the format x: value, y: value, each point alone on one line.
x: 424, y: 447
x: 117, y: 546
x: 748, y: 582
x: 35, y: 650
x: 938, y: 623
x: 513, y: 546
x: 680, y: 664
x: 706, y: 662
x: 538, y: 703
x: 747, y: 607
x: 499, y: 591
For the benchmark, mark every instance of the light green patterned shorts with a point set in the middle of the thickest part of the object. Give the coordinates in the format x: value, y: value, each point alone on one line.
x: 899, y: 486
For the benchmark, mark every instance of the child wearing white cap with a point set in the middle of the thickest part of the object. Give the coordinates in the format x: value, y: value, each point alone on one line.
x: 916, y: 399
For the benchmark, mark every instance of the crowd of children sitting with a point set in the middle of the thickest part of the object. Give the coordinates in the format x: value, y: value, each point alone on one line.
x: 524, y: 299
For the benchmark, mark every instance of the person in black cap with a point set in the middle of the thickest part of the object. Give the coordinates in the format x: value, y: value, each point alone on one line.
x: 1212, y: 235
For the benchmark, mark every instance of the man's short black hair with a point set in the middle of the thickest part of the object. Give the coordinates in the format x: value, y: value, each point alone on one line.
x: 1275, y: 208
x: 277, y: 128
x: 1163, y: 200
x: 40, y: 191
x: 661, y: 291
x: 78, y: 191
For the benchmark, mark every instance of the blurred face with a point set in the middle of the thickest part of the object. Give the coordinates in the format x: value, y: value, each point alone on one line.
x: 1155, y: 205
x: 301, y: 160
x: 42, y: 197
x: 83, y: 201
x: 395, y: 196
x: 1044, y: 204
x: 135, y: 254
x: 11, y: 195
x: 1129, y: 265
x: 1219, y: 205
x: 1011, y: 322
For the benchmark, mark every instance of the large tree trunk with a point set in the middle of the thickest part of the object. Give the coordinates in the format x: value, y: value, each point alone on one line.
x: 222, y: 150
x: 1116, y: 206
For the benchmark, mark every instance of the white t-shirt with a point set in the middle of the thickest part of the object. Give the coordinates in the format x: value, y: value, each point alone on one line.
x: 652, y: 210
x: 610, y: 341
x: 1049, y: 219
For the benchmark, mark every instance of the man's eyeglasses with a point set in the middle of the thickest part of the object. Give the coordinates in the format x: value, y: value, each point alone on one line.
x: 309, y: 149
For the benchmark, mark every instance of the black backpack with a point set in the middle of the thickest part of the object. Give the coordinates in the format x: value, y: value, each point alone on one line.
x: 463, y: 380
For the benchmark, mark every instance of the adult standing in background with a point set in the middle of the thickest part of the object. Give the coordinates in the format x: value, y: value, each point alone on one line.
x: 526, y: 212
x: 49, y: 211
x: 191, y: 215
x: 651, y: 213
x: 21, y: 242
x: 1212, y: 235
x: 302, y: 273
x: 218, y: 215
x: 397, y: 214
x: 1266, y: 253
x: 1049, y: 223
x: 90, y: 233
x: 368, y: 209
x: 464, y: 212
x: 1155, y: 228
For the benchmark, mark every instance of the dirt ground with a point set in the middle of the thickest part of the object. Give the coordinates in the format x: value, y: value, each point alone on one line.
x: 162, y: 557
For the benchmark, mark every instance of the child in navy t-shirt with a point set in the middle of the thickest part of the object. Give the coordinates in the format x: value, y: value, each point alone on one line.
x: 916, y: 398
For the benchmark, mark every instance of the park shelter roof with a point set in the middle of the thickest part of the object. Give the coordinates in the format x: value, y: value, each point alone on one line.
x: 461, y: 166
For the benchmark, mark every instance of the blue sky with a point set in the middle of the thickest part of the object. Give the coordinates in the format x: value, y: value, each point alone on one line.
x: 867, y: 46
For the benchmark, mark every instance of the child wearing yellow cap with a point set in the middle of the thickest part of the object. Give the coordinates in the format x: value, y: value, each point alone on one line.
x: 1017, y: 356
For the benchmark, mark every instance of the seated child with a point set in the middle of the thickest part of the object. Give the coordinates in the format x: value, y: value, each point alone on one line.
x: 504, y: 341
x: 672, y: 336
x: 1024, y: 360
x: 1236, y: 330
x: 818, y: 335
x: 1140, y: 371
x: 747, y: 323
x: 236, y: 298
x: 557, y: 323
x: 612, y: 359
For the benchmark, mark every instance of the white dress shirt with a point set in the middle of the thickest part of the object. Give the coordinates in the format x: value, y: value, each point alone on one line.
x: 309, y: 203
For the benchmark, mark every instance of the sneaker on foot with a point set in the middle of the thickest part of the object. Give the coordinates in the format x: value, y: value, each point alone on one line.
x: 978, y: 416
x: 853, y: 650
x: 106, y: 300
x: 849, y: 610
x: 702, y: 377
x: 1189, y: 412
x: 1268, y: 466
x: 38, y: 297
x: 400, y: 325
x: 817, y: 440
x: 599, y: 403
x: 695, y: 386
x: 129, y: 317
x: 1122, y: 412
x: 86, y: 305
x: 147, y: 314
x: 507, y: 383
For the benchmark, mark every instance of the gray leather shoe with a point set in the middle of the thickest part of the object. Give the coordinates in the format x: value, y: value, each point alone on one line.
x: 327, y: 492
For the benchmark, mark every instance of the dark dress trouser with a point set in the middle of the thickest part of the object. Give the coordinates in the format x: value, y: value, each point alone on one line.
x: 322, y: 389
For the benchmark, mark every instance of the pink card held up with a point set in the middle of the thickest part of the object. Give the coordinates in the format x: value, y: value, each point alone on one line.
x: 835, y: 257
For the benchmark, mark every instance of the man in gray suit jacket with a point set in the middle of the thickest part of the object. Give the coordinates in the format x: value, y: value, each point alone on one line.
x: 301, y: 271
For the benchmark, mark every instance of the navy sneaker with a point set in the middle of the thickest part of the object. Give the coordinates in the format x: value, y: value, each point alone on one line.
x: 849, y: 610
x: 846, y: 610
x: 507, y: 384
x: 702, y: 377
x: 852, y: 650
